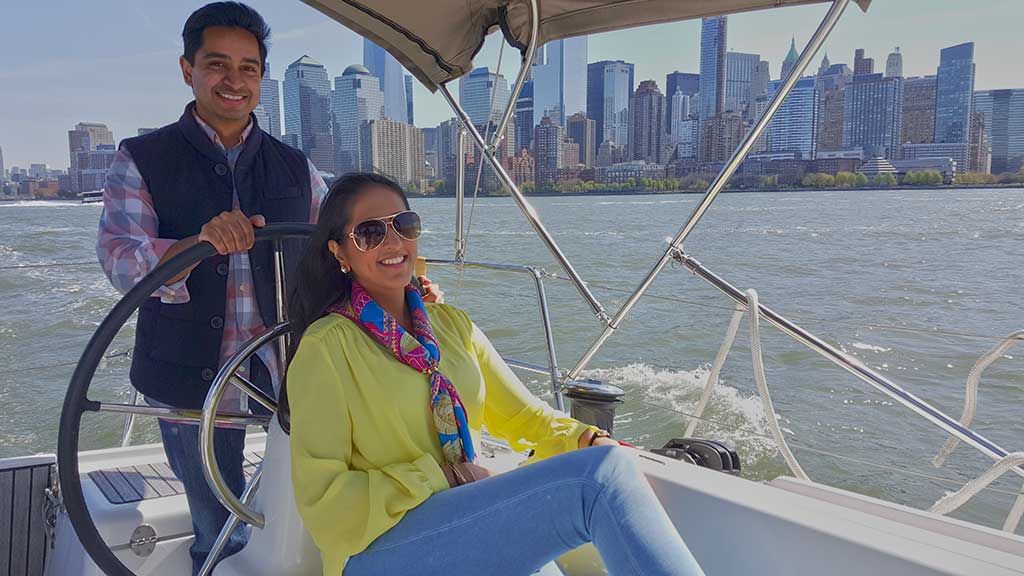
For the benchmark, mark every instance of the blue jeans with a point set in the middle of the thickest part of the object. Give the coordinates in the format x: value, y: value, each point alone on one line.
x: 181, y: 444
x: 517, y: 522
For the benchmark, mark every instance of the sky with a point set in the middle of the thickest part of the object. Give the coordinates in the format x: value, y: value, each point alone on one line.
x: 116, y: 61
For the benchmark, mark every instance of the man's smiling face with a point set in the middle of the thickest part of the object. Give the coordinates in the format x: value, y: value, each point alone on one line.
x: 225, y: 75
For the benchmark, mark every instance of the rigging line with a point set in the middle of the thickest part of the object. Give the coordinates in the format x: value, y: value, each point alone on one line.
x: 800, y: 317
x: 479, y: 170
x: 49, y: 265
x: 945, y: 479
x: 115, y: 354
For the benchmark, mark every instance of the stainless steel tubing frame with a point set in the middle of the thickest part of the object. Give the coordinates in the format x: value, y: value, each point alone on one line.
x: 809, y: 51
x: 129, y: 420
x: 487, y: 151
x: 280, y: 290
x: 528, y: 210
x: 460, y: 192
x: 524, y: 72
x: 851, y: 365
x: 549, y: 338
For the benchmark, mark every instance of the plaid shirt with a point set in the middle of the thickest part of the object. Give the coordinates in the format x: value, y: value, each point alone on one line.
x: 129, y: 248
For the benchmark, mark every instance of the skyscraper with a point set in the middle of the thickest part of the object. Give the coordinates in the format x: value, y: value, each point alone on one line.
x: 894, y: 64
x: 862, y: 65
x: 740, y: 71
x: 647, y: 137
x: 408, y: 99
x: 979, y: 153
x: 794, y: 127
x: 547, y: 146
x: 713, y: 35
x: 3, y: 171
x: 307, y: 110
x: 356, y: 99
x: 392, y: 80
x: 831, y: 86
x: 873, y: 115
x: 609, y: 87
x: 475, y: 92
x: 560, y: 79
x: 583, y: 131
x: 394, y: 149
x: 524, y: 116
x: 1004, y: 126
x: 954, y: 93
x: 919, y: 110
x: 447, y: 152
x: 682, y: 126
x: 268, y: 111
x: 720, y: 136
x: 86, y: 137
x: 790, y: 61
x: 687, y: 83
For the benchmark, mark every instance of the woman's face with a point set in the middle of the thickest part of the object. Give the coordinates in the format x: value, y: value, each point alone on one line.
x: 388, y: 266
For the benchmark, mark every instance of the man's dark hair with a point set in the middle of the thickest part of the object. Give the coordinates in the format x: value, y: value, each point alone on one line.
x: 230, y: 15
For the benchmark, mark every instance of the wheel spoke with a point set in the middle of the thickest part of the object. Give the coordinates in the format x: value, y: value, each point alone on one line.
x: 230, y: 418
x: 253, y: 392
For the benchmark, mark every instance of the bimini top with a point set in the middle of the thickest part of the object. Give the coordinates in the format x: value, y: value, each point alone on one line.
x: 436, y: 39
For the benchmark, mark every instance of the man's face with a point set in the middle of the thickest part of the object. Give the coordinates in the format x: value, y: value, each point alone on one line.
x: 226, y: 75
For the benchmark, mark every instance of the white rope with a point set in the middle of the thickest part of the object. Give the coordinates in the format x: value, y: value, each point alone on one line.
x: 762, y: 387
x: 971, y: 395
x: 954, y: 500
x: 716, y: 368
x: 1013, y: 518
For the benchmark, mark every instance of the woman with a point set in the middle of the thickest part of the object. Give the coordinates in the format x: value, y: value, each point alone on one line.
x: 388, y: 397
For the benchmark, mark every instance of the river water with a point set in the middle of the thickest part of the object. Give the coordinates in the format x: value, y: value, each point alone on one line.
x: 917, y: 284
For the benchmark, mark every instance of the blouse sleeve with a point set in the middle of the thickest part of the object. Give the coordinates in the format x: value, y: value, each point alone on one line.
x: 343, y: 509
x: 512, y: 412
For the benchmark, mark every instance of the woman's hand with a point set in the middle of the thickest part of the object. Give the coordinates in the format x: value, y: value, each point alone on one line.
x: 464, y: 473
x: 587, y: 439
x: 431, y: 292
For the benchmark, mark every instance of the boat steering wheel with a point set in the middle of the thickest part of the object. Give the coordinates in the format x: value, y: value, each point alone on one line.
x: 77, y: 402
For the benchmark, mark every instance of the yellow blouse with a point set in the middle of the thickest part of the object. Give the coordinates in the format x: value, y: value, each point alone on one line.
x: 364, y: 448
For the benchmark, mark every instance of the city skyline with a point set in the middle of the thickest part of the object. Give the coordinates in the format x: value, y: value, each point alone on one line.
x: 35, y: 120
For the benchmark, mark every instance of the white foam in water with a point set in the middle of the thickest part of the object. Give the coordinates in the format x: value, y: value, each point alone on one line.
x: 46, y: 203
x: 871, y: 347
x: 730, y: 415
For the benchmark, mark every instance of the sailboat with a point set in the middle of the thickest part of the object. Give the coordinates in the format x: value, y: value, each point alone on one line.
x: 120, y: 511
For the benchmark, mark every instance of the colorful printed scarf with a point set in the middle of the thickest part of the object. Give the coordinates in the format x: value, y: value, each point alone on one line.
x: 420, y: 352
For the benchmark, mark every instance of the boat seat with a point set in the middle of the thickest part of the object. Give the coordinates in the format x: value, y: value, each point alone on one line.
x: 282, y: 547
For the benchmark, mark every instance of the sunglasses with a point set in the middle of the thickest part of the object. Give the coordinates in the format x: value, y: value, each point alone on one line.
x: 370, y: 234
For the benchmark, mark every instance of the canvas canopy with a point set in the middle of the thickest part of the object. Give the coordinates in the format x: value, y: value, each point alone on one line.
x: 436, y: 40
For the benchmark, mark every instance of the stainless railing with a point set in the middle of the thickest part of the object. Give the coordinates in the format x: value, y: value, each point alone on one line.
x: 549, y: 339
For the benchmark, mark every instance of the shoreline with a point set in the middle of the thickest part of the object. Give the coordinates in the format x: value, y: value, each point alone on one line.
x: 661, y: 193
x: 740, y: 191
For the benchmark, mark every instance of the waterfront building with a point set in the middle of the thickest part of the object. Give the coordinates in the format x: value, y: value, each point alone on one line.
x: 831, y: 85
x: 583, y: 131
x: 794, y: 127
x: 521, y: 167
x: 547, y: 146
x: 954, y: 93
x: 957, y: 152
x: 523, y: 121
x: 476, y: 92
x: 610, y: 84
x: 741, y: 69
x: 720, y: 136
x: 647, y: 137
x: 713, y: 37
x: 1004, y: 126
x: 873, y: 115
x: 268, y: 111
x: 86, y: 137
x: 391, y: 76
x: 394, y: 149
x: 356, y: 99
x: 560, y: 79
x: 919, y: 110
x: 862, y: 65
x: 408, y: 99
x: 307, y: 111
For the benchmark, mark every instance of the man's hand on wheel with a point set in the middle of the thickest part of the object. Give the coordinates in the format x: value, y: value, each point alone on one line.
x: 231, y: 232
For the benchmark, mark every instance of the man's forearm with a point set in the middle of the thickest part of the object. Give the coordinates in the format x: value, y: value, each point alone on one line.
x: 175, y: 249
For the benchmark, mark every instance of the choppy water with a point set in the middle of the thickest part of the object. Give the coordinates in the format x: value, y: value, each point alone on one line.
x: 880, y: 274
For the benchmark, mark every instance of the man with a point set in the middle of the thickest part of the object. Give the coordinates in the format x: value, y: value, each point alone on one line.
x: 212, y: 176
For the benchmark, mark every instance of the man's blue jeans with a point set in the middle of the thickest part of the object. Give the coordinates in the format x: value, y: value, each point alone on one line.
x: 181, y: 444
x: 515, y: 523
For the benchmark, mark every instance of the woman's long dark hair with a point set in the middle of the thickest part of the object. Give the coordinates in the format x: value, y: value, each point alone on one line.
x: 318, y: 282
